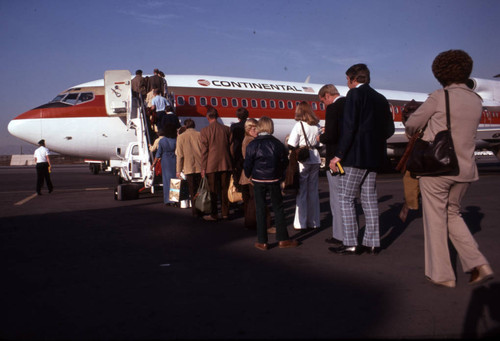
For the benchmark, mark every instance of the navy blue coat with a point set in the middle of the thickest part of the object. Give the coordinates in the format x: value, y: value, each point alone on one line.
x: 367, y: 123
x: 265, y: 159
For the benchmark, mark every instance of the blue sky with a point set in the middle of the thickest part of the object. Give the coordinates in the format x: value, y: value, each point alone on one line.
x: 49, y: 46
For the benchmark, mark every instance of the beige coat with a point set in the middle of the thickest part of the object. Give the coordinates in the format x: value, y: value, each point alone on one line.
x: 243, y: 179
x: 188, y: 152
x: 215, y: 148
x: 465, y: 114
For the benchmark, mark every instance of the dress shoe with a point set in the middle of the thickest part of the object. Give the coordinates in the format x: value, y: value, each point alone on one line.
x: 481, y: 274
x: 448, y: 284
x: 288, y: 243
x: 333, y: 241
x: 260, y: 246
x: 210, y: 218
x: 271, y: 230
x: 371, y: 250
x: 345, y: 250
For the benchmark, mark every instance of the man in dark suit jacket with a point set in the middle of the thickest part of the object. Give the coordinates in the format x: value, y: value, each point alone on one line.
x: 367, y: 124
x: 329, y: 95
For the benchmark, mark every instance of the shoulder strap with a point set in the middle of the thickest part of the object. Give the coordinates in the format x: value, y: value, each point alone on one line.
x: 447, y: 97
x: 305, y: 136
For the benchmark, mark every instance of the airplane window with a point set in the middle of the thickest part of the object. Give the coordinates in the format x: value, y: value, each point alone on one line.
x: 71, y: 98
x: 135, y: 150
x: 58, y: 98
x: 213, y: 101
x: 180, y: 100
x: 314, y: 106
x: 272, y: 104
x: 289, y: 104
x: 281, y: 104
x: 322, y: 106
x: 224, y: 102
x: 244, y: 103
x: 234, y: 102
x: 263, y: 103
x: 85, y: 97
x: 203, y: 101
x: 192, y: 100
x: 254, y: 103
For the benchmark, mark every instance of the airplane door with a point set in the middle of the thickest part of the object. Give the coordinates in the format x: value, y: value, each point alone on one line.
x: 118, y: 92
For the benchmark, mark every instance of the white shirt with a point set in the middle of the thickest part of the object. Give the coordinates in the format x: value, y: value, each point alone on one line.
x: 297, y: 139
x: 41, y: 154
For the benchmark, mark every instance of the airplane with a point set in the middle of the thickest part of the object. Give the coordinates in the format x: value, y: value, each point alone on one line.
x: 101, y: 120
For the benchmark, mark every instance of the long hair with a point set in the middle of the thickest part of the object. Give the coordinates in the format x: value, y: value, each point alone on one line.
x: 305, y: 113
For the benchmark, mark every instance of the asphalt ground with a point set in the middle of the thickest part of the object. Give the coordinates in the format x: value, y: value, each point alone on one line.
x: 77, y: 264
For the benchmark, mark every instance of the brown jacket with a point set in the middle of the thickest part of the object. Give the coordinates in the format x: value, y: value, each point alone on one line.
x: 465, y: 114
x: 188, y: 152
x: 215, y: 148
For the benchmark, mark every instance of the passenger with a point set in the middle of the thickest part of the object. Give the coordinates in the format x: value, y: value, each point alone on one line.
x: 154, y: 147
x: 156, y: 82
x: 43, y: 167
x: 410, y: 184
x: 329, y: 96
x: 166, y: 155
x: 164, y: 83
x: 216, y: 162
x: 362, y: 150
x: 305, y: 133
x: 265, y: 163
x: 171, y: 117
x: 188, y: 152
x: 250, y: 221
x: 441, y: 195
x: 159, y: 104
x: 237, y: 136
x: 139, y: 85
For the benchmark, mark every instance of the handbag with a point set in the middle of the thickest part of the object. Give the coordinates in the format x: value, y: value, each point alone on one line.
x: 157, y: 168
x: 303, y: 152
x: 232, y: 192
x: 434, y: 158
x: 292, y: 174
x: 201, y: 199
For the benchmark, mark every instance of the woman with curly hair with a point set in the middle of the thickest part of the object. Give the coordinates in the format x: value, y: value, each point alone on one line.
x: 441, y: 195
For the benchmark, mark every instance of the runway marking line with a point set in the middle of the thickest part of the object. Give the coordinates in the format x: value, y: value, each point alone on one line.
x: 25, y: 200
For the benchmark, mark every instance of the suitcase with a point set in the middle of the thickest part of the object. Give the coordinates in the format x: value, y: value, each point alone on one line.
x: 127, y: 192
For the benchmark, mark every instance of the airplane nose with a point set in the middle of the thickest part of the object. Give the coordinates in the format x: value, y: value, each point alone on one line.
x: 28, y: 130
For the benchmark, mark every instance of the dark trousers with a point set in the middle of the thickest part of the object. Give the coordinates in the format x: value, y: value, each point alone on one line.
x: 42, y: 173
x: 219, y: 184
x: 193, y: 181
x: 260, y: 192
x: 250, y: 221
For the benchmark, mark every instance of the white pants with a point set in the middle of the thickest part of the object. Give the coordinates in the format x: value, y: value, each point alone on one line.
x: 307, y: 201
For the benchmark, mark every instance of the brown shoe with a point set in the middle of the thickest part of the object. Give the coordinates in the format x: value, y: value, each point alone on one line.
x: 210, y: 218
x: 263, y: 247
x: 481, y: 274
x: 288, y: 243
x: 448, y: 284
x: 271, y: 230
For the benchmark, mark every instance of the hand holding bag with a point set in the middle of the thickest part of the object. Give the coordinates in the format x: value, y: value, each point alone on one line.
x: 202, y: 197
x: 232, y: 193
x: 434, y: 158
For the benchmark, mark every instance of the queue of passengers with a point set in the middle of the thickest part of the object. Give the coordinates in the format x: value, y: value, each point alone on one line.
x: 356, y: 129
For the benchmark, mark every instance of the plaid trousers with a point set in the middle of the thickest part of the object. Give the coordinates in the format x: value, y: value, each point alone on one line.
x: 364, y: 181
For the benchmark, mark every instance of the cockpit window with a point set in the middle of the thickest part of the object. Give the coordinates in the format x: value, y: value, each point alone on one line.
x: 71, y: 98
x: 85, y: 97
x: 74, y: 98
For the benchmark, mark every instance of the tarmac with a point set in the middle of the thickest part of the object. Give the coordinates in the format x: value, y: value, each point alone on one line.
x: 78, y: 264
